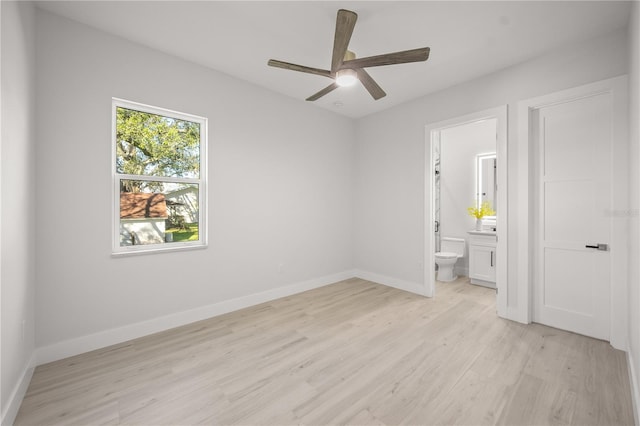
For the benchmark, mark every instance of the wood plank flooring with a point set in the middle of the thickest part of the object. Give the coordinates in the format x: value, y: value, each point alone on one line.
x: 353, y: 352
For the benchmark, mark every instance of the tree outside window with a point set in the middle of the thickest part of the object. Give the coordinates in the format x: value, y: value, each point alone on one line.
x: 159, y: 178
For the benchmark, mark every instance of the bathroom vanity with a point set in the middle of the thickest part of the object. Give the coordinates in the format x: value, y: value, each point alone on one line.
x: 482, y: 258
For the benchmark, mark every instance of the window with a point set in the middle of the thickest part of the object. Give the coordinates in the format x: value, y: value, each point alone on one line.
x: 159, y: 169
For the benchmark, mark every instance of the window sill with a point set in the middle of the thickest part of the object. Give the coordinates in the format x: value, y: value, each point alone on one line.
x: 156, y: 250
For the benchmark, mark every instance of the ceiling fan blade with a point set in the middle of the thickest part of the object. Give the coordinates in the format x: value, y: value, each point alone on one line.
x: 406, y: 56
x: 345, y: 22
x: 323, y: 92
x: 370, y: 84
x: 300, y: 68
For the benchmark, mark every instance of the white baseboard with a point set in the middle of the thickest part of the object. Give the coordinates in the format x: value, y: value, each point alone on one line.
x: 114, y: 336
x: 409, y: 286
x: 635, y: 391
x: 15, y: 400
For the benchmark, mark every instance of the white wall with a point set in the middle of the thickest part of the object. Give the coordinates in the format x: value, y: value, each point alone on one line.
x: 280, y: 191
x: 459, y: 147
x: 18, y: 221
x: 390, y: 152
x: 634, y: 200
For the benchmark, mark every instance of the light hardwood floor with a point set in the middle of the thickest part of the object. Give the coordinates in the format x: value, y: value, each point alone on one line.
x: 353, y: 352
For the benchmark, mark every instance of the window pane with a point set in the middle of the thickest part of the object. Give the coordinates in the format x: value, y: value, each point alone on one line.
x: 154, y: 212
x: 154, y: 145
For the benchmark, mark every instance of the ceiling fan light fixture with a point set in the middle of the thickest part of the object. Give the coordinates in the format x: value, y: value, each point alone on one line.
x: 346, y: 77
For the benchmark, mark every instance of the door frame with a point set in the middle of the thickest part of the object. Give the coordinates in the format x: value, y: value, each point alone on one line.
x: 617, y: 87
x: 432, y: 134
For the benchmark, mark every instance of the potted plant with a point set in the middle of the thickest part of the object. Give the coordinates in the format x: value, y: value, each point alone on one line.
x: 480, y: 212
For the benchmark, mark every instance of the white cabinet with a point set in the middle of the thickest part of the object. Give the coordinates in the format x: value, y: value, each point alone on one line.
x: 482, y: 258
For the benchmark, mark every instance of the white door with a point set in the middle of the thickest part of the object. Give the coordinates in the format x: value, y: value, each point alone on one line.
x: 573, y: 140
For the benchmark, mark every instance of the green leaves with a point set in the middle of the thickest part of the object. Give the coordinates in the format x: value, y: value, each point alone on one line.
x: 153, y: 145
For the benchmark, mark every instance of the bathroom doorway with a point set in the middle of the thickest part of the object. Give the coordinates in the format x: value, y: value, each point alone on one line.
x: 468, y: 177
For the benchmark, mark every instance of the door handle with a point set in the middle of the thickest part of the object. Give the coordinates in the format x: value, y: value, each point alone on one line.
x: 491, y: 257
x: 599, y: 246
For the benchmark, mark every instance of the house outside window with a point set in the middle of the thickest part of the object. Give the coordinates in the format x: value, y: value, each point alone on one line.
x: 159, y: 174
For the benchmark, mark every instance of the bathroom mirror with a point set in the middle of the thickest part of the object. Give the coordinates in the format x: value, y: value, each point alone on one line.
x: 486, y: 180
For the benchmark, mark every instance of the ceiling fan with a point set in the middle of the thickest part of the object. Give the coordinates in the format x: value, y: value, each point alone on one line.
x: 346, y: 69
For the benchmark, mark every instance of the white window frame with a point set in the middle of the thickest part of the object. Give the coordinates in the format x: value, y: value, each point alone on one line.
x: 201, y: 181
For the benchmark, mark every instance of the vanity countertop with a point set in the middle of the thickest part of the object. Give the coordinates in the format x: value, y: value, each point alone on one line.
x: 483, y: 232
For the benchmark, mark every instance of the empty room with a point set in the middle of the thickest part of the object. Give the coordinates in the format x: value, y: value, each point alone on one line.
x: 319, y: 212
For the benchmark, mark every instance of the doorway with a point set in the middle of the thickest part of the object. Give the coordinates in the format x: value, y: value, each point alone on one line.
x: 433, y: 216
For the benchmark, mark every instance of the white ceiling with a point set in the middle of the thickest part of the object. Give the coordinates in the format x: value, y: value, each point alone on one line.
x: 467, y: 38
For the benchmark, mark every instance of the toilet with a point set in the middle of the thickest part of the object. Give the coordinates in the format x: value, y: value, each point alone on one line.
x: 451, y: 249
